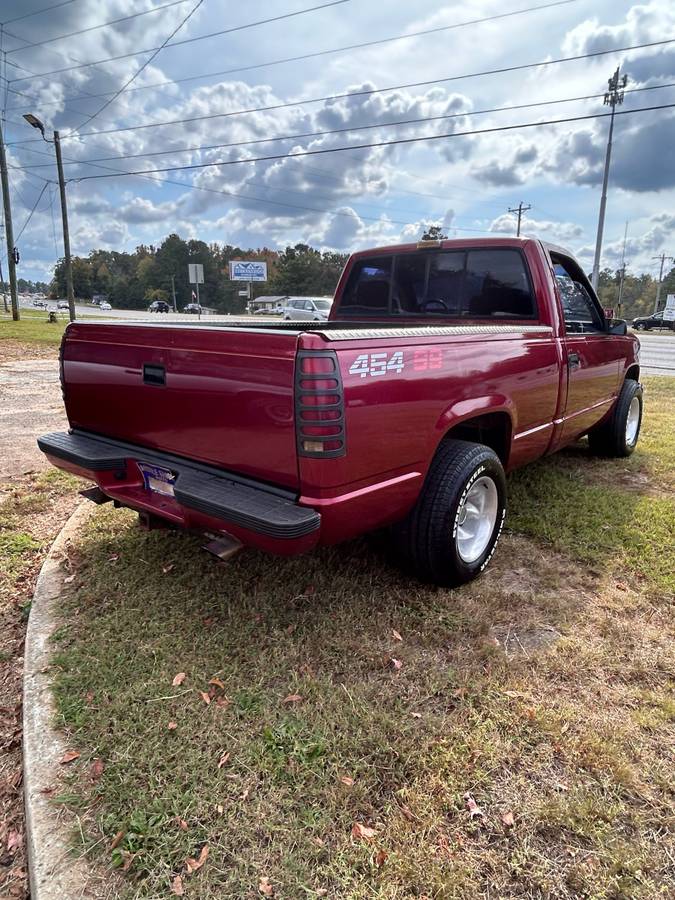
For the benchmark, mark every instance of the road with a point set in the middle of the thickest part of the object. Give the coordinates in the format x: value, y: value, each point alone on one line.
x: 657, y: 354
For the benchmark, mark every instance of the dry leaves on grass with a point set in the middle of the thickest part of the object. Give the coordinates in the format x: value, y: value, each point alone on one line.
x: 474, y: 809
x: 205, y: 697
x: 292, y: 698
x: 363, y: 832
x: 508, y: 819
x: 117, y: 840
x: 192, y: 865
x: 396, y: 635
x: 264, y: 886
x: 97, y: 769
x: 380, y: 858
x: 179, y: 679
x: 223, y: 761
x: 177, y: 888
x: 216, y: 682
x: 396, y: 664
x: 69, y: 756
x: 172, y: 726
x: 346, y: 780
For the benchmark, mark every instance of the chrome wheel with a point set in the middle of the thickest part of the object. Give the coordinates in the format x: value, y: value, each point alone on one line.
x: 476, y: 519
x: 633, y: 421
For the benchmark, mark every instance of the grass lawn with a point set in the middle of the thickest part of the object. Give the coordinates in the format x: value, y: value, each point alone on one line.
x: 325, y: 727
x: 32, y: 328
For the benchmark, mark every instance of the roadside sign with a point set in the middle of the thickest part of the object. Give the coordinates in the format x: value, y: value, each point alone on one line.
x: 243, y: 293
x: 247, y: 270
x: 669, y: 311
x: 195, y: 273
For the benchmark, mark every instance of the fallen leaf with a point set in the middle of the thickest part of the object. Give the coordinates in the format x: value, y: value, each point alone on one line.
x: 167, y: 569
x: 47, y: 790
x: 128, y: 860
x: 380, y: 858
x: 96, y: 770
x: 209, y: 621
x: 396, y: 664
x: 396, y: 635
x: 178, y: 679
x: 69, y: 756
x: 265, y: 887
x: 172, y: 726
x: 473, y: 807
x: 114, y: 557
x: 416, y: 715
x: 220, y: 809
x: 177, y: 887
x: 14, y: 841
x: 117, y: 840
x: 223, y: 701
x: 292, y: 698
x: 224, y: 759
x: 245, y: 793
x: 318, y: 841
x: 69, y: 579
x: 218, y: 683
x: 193, y: 864
x: 89, y: 696
x: 345, y: 779
x: 508, y: 819
x: 183, y: 825
x: 363, y: 832
x: 408, y: 814
x: 205, y: 697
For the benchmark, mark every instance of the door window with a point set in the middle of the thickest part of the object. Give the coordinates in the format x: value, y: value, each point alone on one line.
x: 580, y: 310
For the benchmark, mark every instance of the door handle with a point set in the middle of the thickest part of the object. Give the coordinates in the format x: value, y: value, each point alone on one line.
x: 573, y: 360
x: 154, y: 374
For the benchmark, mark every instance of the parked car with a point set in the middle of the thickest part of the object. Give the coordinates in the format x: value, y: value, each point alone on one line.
x: 647, y: 323
x: 62, y: 304
x: 105, y: 305
x: 159, y: 306
x: 307, y: 309
x: 193, y: 308
x: 40, y: 304
x: 442, y: 366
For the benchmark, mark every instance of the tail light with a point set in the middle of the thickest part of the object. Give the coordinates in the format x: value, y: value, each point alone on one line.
x: 319, y: 405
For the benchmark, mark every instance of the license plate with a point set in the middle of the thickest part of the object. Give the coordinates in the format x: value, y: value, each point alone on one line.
x: 157, y: 479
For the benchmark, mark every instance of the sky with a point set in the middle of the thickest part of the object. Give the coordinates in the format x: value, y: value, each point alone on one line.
x: 348, y: 199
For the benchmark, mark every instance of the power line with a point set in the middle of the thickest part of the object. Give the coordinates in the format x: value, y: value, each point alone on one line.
x: 364, y: 93
x: 317, y: 53
x: 390, y: 143
x: 37, y: 12
x: 71, y: 34
x: 30, y: 214
x: 141, y: 68
x: 313, y: 134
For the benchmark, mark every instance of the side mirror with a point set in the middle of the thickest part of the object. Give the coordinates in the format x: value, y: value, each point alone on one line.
x: 618, y: 326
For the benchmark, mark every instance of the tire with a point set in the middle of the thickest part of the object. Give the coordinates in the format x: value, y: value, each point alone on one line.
x: 618, y: 435
x: 640, y: 327
x: 429, y: 542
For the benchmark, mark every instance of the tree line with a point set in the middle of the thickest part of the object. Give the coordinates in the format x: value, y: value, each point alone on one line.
x: 133, y: 280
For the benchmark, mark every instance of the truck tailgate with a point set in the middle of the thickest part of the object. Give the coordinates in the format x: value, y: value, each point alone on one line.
x: 216, y: 395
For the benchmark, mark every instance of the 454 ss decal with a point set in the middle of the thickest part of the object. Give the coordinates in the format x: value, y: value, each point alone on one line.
x: 375, y: 364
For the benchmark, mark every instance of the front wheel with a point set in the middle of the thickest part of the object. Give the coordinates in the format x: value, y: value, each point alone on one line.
x: 618, y: 435
x: 451, y: 533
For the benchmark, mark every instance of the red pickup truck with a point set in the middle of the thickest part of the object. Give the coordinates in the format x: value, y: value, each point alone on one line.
x: 443, y: 365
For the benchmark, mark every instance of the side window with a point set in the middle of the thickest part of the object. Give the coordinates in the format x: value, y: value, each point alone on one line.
x: 497, y: 285
x: 367, y: 290
x: 579, y: 309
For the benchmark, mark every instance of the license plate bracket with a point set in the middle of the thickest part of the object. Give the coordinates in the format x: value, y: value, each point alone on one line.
x: 157, y: 479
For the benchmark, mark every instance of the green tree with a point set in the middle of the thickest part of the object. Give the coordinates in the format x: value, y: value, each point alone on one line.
x: 433, y: 233
x: 305, y: 271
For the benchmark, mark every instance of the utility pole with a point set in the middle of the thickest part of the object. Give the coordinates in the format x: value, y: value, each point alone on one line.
x: 66, y: 232
x: 519, y: 210
x: 613, y: 98
x: 36, y: 123
x: 173, y: 292
x: 2, y: 285
x: 663, y: 259
x: 623, y: 272
x: 9, y: 231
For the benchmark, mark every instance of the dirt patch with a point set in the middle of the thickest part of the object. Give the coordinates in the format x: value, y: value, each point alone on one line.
x: 517, y: 641
x: 32, y: 405
x: 10, y: 351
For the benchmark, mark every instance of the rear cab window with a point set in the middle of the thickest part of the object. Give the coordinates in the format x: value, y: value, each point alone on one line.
x: 490, y: 283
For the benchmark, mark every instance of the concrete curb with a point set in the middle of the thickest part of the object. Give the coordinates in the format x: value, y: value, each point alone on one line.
x: 55, y: 874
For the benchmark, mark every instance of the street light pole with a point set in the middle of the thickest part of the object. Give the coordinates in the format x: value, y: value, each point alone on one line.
x: 36, y: 123
x: 663, y: 258
x: 9, y: 231
x: 613, y: 98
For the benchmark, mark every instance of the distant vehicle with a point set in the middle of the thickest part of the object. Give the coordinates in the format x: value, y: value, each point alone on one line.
x: 646, y: 323
x: 308, y: 309
x: 105, y: 305
x: 159, y: 306
x: 62, y: 304
x: 193, y: 308
x: 40, y: 304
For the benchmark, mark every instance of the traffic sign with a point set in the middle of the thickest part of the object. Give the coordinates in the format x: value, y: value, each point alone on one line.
x: 669, y: 311
x: 196, y: 273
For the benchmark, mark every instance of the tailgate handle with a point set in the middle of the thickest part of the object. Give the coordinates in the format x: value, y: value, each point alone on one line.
x: 153, y: 374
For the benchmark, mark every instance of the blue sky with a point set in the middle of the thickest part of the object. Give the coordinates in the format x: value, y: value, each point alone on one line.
x: 345, y: 200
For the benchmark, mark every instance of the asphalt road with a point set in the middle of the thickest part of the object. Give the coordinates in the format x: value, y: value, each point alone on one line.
x: 657, y: 354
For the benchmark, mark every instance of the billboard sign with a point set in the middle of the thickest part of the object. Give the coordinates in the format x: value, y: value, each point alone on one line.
x: 196, y: 273
x: 247, y: 270
x: 669, y: 311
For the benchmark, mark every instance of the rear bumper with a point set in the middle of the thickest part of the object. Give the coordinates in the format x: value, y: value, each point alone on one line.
x: 205, y: 498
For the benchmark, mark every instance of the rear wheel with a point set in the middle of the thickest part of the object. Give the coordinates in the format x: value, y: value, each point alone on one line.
x: 451, y: 534
x: 619, y: 435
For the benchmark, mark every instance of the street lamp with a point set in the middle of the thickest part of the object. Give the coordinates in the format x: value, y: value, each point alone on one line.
x: 36, y: 123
